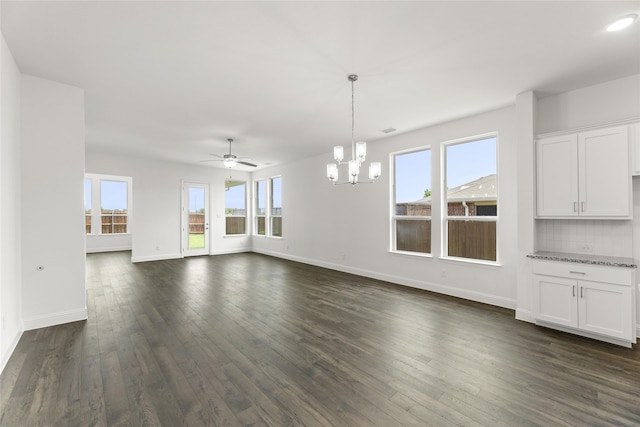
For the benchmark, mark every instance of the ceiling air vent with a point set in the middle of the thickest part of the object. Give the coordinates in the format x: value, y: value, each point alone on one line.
x: 388, y: 130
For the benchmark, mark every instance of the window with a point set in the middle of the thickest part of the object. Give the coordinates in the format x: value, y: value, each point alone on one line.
x: 113, y: 203
x: 470, y: 208
x: 107, y: 204
x: 276, y: 206
x: 235, y: 207
x: 412, y: 202
x: 87, y: 206
x: 261, y: 207
x: 268, y: 210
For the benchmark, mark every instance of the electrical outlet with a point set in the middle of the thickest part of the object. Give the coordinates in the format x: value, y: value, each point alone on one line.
x: 585, y: 247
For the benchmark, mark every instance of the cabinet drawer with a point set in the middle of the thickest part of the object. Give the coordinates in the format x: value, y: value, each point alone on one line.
x: 618, y: 275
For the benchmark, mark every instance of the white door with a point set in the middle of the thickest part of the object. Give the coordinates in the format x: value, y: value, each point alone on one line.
x: 554, y: 300
x: 195, y: 219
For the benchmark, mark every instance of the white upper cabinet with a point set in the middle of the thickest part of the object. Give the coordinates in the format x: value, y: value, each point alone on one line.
x: 584, y: 175
x: 634, y: 141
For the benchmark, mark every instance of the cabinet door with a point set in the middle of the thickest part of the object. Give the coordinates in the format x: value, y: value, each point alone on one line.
x: 605, y: 179
x: 634, y: 144
x: 554, y: 300
x: 606, y: 309
x: 557, y: 176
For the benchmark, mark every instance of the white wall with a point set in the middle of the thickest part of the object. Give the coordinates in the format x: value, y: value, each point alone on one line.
x: 157, y: 195
x: 347, y: 228
x: 52, y: 176
x: 599, y: 104
x: 10, y: 260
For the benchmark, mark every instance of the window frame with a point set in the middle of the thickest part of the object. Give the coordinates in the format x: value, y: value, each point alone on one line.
x: 227, y: 215
x: 257, y: 216
x: 444, y: 203
x: 393, y: 208
x: 96, y: 203
x: 272, y: 215
x: 268, y: 216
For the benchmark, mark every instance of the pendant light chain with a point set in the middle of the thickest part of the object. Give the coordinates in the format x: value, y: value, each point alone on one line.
x: 353, y: 119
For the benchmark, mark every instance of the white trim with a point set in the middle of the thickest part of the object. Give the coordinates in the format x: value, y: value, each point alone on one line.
x: 623, y: 122
x: 427, y: 286
x: 10, y: 350
x: 135, y: 259
x: 524, y: 315
x: 230, y: 251
x: 55, y: 319
x: 109, y: 249
x: 587, y: 334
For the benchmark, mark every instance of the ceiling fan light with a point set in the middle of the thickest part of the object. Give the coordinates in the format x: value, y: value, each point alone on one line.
x: 229, y: 162
x: 338, y: 153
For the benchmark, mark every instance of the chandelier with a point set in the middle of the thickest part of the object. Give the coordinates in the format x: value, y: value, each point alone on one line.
x: 358, y: 154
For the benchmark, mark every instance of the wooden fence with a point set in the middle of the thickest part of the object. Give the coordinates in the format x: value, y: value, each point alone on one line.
x: 472, y: 239
x: 466, y: 238
x: 234, y: 224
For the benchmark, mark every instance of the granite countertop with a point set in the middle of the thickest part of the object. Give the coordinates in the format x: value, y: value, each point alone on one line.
x: 611, y: 261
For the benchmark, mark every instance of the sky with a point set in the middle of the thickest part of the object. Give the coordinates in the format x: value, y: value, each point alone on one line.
x: 113, y: 194
x: 465, y: 162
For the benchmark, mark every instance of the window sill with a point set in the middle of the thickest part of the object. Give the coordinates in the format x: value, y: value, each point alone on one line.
x: 414, y: 254
x: 235, y: 235
x: 472, y: 261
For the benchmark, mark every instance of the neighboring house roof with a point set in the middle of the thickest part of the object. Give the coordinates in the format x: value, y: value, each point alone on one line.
x: 482, y: 189
x: 479, y: 190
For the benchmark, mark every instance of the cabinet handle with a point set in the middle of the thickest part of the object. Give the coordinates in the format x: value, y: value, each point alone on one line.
x: 573, y: 290
x: 582, y: 206
x: 577, y: 272
x: 575, y: 206
x: 581, y: 291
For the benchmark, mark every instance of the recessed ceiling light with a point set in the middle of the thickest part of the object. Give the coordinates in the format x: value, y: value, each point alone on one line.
x: 622, y: 23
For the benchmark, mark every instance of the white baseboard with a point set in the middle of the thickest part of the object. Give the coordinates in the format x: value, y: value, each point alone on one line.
x: 427, y: 286
x: 12, y: 347
x: 230, y: 251
x: 55, y: 319
x: 524, y: 315
x: 109, y: 249
x: 155, y: 257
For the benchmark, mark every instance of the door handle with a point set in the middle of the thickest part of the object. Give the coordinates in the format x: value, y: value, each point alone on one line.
x: 206, y: 226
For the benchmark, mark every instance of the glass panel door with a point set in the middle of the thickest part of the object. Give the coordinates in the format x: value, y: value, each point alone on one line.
x: 195, y: 228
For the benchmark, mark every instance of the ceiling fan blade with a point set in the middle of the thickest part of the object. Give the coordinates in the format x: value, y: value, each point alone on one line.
x: 210, y: 160
x: 215, y: 155
x: 240, y: 162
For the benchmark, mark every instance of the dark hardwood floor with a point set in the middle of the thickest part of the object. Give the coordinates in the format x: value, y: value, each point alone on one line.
x: 246, y: 339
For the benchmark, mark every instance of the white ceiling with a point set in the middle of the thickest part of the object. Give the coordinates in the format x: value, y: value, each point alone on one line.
x: 174, y: 80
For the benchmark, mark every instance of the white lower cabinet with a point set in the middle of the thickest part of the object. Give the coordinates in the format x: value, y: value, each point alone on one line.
x: 594, y: 301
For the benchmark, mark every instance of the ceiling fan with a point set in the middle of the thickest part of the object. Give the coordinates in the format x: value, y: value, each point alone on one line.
x: 230, y: 160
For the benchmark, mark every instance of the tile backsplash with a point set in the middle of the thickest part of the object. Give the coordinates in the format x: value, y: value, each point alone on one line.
x: 597, y: 237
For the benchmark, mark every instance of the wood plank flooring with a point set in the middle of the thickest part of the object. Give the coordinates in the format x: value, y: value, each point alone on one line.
x: 251, y: 340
